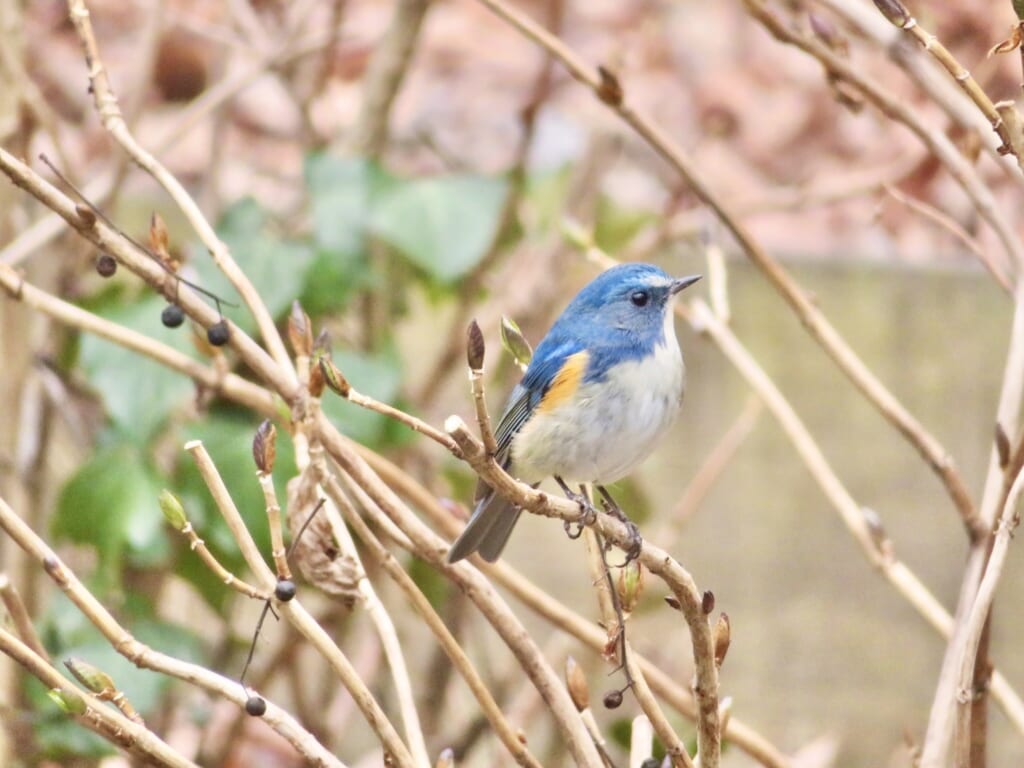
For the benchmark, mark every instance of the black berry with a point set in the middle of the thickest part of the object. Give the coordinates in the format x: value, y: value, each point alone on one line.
x: 106, y: 265
x: 255, y: 706
x: 172, y: 316
x: 613, y: 699
x: 285, y: 590
x: 217, y: 334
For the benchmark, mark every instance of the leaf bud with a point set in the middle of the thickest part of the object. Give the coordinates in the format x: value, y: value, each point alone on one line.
x: 895, y: 11
x: 300, y: 331
x: 158, y: 239
x: 333, y: 377
x: 475, y: 346
x: 721, y: 635
x: 576, y: 682
x: 707, y: 602
x: 174, y: 513
x: 609, y: 90
x: 69, y: 703
x: 92, y: 677
x: 630, y: 585
x: 515, y: 343
x: 264, y: 447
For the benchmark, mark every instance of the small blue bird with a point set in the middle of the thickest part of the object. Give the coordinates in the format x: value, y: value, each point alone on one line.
x: 603, y: 386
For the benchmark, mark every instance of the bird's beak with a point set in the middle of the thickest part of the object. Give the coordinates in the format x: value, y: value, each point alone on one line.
x: 681, y: 283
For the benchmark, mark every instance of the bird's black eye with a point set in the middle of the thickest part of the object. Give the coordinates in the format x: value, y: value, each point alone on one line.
x: 640, y: 298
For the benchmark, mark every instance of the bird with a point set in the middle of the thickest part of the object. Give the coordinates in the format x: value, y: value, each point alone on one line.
x: 601, y: 389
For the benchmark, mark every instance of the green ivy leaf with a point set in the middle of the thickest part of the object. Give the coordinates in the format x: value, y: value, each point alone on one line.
x: 443, y: 225
x: 137, y: 393
x: 343, y: 192
x: 275, y: 265
x: 110, y: 504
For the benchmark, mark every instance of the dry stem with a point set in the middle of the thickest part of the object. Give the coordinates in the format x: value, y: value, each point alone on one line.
x: 142, y: 655
x: 811, y: 317
x: 294, y: 611
x: 110, y: 724
x: 113, y: 121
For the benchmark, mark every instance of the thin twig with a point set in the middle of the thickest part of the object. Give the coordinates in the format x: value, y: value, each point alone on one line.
x: 384, y: 75
x: 142, y: 655
x: 902, y: 19
x: 490, y: 708
x: 433, y: 549
x: 20, y: 617
x: 811, y: 317
x: 655, y: 559
x: 978, y: 617
x: 946, y: 222
x: 294, y: 611
x: 113, y: 121
x: 314, y: 459
x: 112, y: 725
x: 558, y: 614
x: 941, y: 719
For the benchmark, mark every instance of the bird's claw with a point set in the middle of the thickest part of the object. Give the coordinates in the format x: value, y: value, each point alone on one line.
x: 588, y: 512
x: 636, y: 542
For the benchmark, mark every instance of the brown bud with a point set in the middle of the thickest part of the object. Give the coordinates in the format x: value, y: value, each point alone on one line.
x: 158, y: 238
x: 85, y: 214
x: 316, y: 381
x: 92, y: 677
x: 333, y: 377
x: 264, y: 447
x: 894, y: 11
x: 609, y: 90
x: 474, y: 346
x: 707, y: 602
x: 1002, y: 446
x: 722, y: 636
x: 673, y: 602
x: 576, y: 682
x: 300, y: 332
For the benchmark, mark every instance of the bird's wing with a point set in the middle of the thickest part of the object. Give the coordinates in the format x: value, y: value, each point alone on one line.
x: 526, y: 396
x: 494, y: 516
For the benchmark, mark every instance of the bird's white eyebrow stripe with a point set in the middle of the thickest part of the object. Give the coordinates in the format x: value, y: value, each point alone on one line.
x: 656, y: 282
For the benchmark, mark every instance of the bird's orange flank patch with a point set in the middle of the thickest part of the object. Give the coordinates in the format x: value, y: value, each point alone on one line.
x: 566, y: 381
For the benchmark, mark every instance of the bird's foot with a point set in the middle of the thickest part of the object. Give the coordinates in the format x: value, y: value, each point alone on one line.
x: 636, y: 541
x: 588, y: 512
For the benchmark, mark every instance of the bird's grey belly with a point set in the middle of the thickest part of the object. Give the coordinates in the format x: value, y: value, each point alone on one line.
x: 606, y: 428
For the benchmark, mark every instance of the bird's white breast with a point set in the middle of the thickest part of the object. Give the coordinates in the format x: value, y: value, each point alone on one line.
x: 607, y: 427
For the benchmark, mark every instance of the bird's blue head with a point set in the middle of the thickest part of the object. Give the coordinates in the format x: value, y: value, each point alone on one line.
x: 629, y: 298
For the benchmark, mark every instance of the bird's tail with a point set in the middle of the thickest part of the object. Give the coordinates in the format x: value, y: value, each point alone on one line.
x: 488, y: 529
